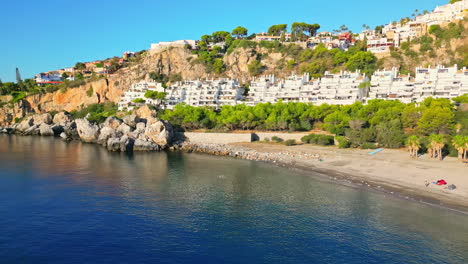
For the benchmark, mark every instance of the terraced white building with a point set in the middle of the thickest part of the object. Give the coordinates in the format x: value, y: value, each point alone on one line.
x: 436, y: 82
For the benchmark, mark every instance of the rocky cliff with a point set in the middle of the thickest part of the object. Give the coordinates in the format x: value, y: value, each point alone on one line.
x: 169, y: 62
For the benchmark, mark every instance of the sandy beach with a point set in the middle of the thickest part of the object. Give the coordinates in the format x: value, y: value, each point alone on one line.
x: 391, y: 170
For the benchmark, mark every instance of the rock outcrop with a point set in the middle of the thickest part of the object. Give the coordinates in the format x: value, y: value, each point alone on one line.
x: 140, y: 132
x: 88, y: 132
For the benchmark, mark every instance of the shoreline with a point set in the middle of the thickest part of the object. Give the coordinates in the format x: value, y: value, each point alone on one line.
x: 330, y: 163
x: 304, y: 162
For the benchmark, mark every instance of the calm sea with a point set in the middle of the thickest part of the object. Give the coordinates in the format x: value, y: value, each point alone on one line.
x: 76, y: 203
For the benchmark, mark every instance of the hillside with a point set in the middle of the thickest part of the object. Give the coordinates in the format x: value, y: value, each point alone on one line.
x: 242, y: 59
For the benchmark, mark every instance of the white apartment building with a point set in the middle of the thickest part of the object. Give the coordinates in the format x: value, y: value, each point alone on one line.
x: 156, y: 47
x: 379, y: 45
x: 340, y: 88
x: 137, y: 91
x: 436, y: 82
x: 212, y: 93
x: 399, y: 32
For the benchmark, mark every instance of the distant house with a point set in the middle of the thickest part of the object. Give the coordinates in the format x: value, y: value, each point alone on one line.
x: 128, y: 54
x: 48, y: 78
x: 265, y: 37
x: 156, y: 47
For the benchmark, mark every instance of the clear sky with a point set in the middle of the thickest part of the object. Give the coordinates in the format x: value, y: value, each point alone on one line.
x: 43, y: 35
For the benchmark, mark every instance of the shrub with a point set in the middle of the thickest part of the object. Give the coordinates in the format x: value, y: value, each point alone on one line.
x: 343, y: 142
x: 267, y: 140
x: 18, y: 119
x: 277, y: 139
x: 53, y: 113
x: 317, y: 139
x: 368, y: 145
x: 290, y: 142
x: 90, y: 91
x: 97, y: 112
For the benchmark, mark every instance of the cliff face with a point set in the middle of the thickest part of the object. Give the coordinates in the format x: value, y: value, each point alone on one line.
x: 169, y: 62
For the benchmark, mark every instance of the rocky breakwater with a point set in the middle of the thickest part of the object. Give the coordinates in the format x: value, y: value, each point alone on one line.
x: 141, y: 131
x: 235, y: 151
x: 282, y: 158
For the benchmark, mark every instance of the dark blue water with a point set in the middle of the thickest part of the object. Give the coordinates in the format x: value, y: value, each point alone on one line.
x: 75, y: 203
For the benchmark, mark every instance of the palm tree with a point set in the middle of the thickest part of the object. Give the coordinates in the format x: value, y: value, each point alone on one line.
x: 413, y: 145
x: 461, y: 144
x: 437, y: 144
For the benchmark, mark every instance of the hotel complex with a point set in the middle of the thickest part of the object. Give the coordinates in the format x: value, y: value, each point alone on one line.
x: 333, y: 88
x: 212, y: 93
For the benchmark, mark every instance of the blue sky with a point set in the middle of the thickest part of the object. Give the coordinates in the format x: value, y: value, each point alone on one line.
x: 44, y: 35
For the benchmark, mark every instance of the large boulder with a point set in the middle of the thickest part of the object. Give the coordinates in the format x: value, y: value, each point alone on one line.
x: 139, y: 131
x: 25, y: 124
x: 124, y: 129
x: 112, y: 122
x: 131, y: 120
x: 43, y: 119
x: 122, y: 144
x: 62, y: 118
x: 87, y: 132
x: 33, y: 130
x: 145, y: 112
x: 105, y: 134
x: 160, y: 132
x: 58, y: 129
x: 45, y: 130
x: 143, y: 145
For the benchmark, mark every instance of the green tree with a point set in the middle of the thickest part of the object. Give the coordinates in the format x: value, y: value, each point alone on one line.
x: 413, y: 145
x: 239, y: 32
x: 277, y: 30
x: 80, y: 66
x: 255, y: 68
x: 364, y: 61
x: 218, y: 66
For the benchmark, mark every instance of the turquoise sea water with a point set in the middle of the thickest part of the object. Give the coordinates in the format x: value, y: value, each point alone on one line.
x: 76, y: 203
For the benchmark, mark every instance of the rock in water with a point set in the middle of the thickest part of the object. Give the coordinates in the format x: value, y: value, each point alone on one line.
x: 105, y: 134
x: 160, y: 132
x: 58, y: 129
x: 142, y: 145
x: 62, y: 118
x: 33, y: 130
x: 43, y: 119
x: 25, y: 124
x: 123, y: 144
x: 87, y: 132
x: 45, y: 130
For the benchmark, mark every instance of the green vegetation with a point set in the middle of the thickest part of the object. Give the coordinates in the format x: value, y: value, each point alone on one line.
x: 379, y: 123
x: 276, y: 139
x: 96, y: 112
x: 139, y: 101
x: 319, y: 139
x: 290, y: 142
x: 255, y: 68
x: 434, y: 45
x: 462, y: 99
x: 240, y: 32
x: 90, y: 91
x: 302, y: 31
x: 277, y: 30
x: 155, y: 95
